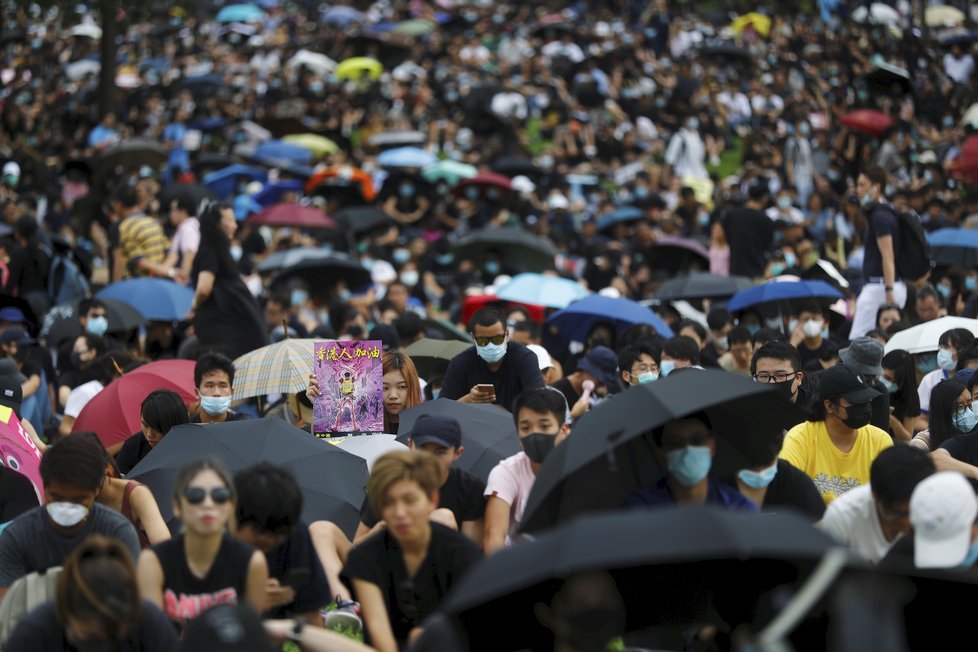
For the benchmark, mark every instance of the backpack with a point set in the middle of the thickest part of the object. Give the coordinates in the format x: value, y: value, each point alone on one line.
x: 913, y: 260
x: 66, y: 280
x: 25, y: 594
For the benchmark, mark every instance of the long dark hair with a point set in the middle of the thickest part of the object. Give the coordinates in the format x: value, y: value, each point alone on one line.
x: 211, y: 234
x: 943, y: 405
x: 902, y: 365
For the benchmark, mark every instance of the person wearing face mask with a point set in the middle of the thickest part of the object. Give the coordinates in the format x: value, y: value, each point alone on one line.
x: 510, y: 368
x: 809, y: 333
x: 951, y: 414
x: 872, y: 518
x: 898, y: 378
x: 679, y: 352
x: 684, y: 449
x: 542, y: 423
x: 777, y: 362
x: 721, y: 322
x: 949, y: 344
x: 836, y: 446
x: 737, y: 359
x: 637, y: 365
x: 599, y: 366
x: 72, y: 474
x: 214, y: 380
x: 686, y: 153
x: 406, y: 204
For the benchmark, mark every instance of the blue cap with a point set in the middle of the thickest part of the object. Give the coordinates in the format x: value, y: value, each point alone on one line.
x: 12, y: 313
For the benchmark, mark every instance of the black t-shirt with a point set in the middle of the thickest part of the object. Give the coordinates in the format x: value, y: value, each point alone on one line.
x: 186, y: 596
x: 133, y: 449
x: 750, y: 234
x: 564, y: 387
x: 882, y: 222
x: 462, y: 494
x: 380, y: 561
x: 17, y: 494
x: 232, y: 416
x: 792, y: 489
x: 519, y: 371
x: 809, y: 355
x: 297, y: 555
x: 963, y: 448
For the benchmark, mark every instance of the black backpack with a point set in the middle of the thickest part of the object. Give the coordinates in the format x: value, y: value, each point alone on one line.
x: 913, y: 260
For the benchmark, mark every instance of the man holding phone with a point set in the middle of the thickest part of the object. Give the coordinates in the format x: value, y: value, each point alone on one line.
x: 495, y: 370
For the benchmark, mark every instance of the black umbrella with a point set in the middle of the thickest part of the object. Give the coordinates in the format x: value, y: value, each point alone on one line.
x: 512, y: 166
x: 399, y: 138
x: 444, y: 329
x: 518, y: 249
x: 210, y: 162
x: 61, y: 322
x: 479, y: 98
x: 190, y: 192
x: 321, y: 271
x: 670, y: 567
x: 700, y: 285
x: 488, y: 432
x: 885, y: 76
x: 129, y: 154
x: 431, y: 357
x: 609, y: 453
x: 8, y: 301
x: 201, y: 87
x: 726, y: 51
x: 333, y: 481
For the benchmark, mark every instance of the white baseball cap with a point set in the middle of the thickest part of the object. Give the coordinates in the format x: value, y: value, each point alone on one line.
x: 542, y: 356
x: 10, y: 168
x: 942, y: 510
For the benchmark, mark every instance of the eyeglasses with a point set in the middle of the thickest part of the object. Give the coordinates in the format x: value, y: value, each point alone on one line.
x: 495, y: 339
x: 196, y: 495
x: 776, y: 377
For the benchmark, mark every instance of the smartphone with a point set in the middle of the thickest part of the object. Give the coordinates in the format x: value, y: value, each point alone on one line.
x: 297, y: 577
x: 486, y: 389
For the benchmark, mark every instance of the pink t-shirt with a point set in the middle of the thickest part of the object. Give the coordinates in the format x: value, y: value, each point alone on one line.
x: 187, y: 238
x: 511, y: 481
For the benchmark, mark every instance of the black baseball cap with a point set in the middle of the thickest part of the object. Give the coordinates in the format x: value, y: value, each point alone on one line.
x: 841, y: 382
x: 437, y: 429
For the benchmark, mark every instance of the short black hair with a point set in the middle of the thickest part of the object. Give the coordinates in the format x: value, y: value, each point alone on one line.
x: 739, y: 335
x: 766, y: 335
x: 631, y: 354
x: 966, y: 356
x: 699, y: 416
x: 542, y: 400
x: 695, y: 325
x: 930, y: 291
x: 163, y: 410
x: 812, y: 307
x: 213, y: 362
x: 486, y: 317
x: 718, y: 318
x: 776, y: 350
x: 959, y: 338
x: 896, y: 471
x: 876, y: 175
x: 680, y: 347
x: 125, y: 195
x: 86, y: 305
x: 269, y: 498
x: 73, y: 461
x: 409, y: 325
x: 527, y: 327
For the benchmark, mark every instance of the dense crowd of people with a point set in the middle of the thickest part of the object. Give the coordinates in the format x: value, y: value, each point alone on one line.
x: 287, y: 170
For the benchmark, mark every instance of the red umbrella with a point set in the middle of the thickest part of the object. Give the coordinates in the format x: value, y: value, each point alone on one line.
x: 966, y: 165
x: 303, y: 217
x: 114, y: 413
x: 484, y: 182
x: 868, y: 121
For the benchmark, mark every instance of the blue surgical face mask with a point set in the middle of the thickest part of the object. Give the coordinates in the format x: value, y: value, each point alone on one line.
x: 445, y: 259
x: 944, y: 290
x: 891, y: 387
x: 407, y: 190
x: 777, y: 268
x: 492, y: 267
x: 690, y: 465
x: 97, y: 325
x: 752, y: 328
x: 774, y: 323
x: 758, y: 479
x: 402, y: 255
x: 646, y: 377
x: 435, y: 393
x: 971, y: 557
x: 792, y: 325
x: 784, y: 202
x: 965, y: 420
x: 866, y: 200
x: 703, y: 219
x: 927, y: 363
x: 666, y: 367
x: 299, y: 297
x: 970, y: 283
x: 945, y: 360
x: 215, y: 406
x: 790, y: 259
x: 345, y: 295
x: 491, y: 353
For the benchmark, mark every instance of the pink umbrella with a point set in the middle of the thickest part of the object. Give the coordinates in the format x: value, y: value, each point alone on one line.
x: 488, y: 184
x: 295, y: 215
x: 18, y: 452
x: 868, y: 121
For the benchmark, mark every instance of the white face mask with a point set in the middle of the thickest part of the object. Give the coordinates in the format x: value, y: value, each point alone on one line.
x: 67, y: 514
x: 812, y: 328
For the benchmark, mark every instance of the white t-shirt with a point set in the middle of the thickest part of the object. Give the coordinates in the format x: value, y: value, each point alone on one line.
x: 80, y: 396
x: 851, y: 519
x: 927, y: 384
x: 511, y: 481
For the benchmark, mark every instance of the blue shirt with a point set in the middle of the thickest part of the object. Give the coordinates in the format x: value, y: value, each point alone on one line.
x: 660, y: 495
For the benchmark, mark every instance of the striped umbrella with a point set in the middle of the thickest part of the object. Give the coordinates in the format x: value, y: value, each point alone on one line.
x: 280, y: 368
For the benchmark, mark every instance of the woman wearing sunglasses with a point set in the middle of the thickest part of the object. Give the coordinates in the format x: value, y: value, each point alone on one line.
x: 203, y: 566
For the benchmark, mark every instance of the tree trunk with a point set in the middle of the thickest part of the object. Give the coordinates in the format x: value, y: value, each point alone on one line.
x: 109, y: 10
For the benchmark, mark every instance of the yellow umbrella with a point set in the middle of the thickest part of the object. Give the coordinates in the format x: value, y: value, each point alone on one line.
x: 760, y: 23
x: 358, y: 68
x: 943, y: 16
x: 316, y: 144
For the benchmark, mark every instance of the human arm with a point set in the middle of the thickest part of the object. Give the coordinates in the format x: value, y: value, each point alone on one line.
x: 899, y: 430
x: 30, y: 386
x: 311, y: 638
x: 149, y: 577
x: 474, y: 530
x: 885, y: 244
x: 496, y: 524
x: 375, y: 616
x: 257, y: 581
x: 29, y: 427
x: 148, y: 515
x: 474, y: 395
x: 944, y: 462
x: 364, y: 531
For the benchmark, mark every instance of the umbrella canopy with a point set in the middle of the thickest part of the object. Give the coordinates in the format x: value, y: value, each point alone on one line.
x: 728, y: 51
x: 414, y: 27
x: 294, y: 215
x: 314, y: 61
x: 868, y: 121
x: 78, y: 69
x: 782, y: 292
x: 610, y: 452
x: 274, y: 193
x: 886, y: 76
x: 342, y: 16
x: 278, y: 150
x: 359, y: 68
x: 155, y: 299
x: 114, y: 413
x: 224, y: 182
x: 129, y: 154
x: 677, y: 254
x: 61, y: 322
x: 878, y: 13
x: 954, y: 247
x: 431, y: 357
x: 18, y: 452
x: 200, y: 86
x: 321, y: 272
x: 575, y: 322
x: 361, y: 219
x: 698, y: 559
x: 447, y: 330
x: 192, y: 193
x: 449, y: 171
x: 700, y: 285
x: 343, y: 176
x: 943, y: 16
x: 318, y: 145
x: 280, y: 368
x: 970, y: 116
x: 924, y: 338
x: 488, y: 432
x: 397, y: 138
x: 758, y: 22
x: 21, y: 304
x: 621, y: 215
x: 488, y: 184
x: 240, y: 13
x: 369, y: 448
x: 286, y: 258
x: 406, y: 157
x: 333, y: 481
x: 86, y: 30
x: 519, y: 249
x: 542, y: 290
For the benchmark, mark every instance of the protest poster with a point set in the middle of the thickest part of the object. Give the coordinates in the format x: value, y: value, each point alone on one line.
x: 18, y: 452
x: 351, y: 388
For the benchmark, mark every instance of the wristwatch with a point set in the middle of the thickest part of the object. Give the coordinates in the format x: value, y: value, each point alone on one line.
x: 888, y: 288
x: 296, y: 634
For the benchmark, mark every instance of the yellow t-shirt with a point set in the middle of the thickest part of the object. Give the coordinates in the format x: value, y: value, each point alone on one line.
x: 808, y: 447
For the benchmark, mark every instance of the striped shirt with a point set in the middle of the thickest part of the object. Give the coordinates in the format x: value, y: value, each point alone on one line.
x: 141, y: 236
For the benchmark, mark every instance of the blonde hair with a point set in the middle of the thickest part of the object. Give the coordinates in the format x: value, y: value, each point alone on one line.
x: 397, y: 361
x: 412, y: 465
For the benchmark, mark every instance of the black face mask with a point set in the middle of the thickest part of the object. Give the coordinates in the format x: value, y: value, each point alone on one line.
x: 538, y: 445
x: 858, y: 416
x: 785, y: 389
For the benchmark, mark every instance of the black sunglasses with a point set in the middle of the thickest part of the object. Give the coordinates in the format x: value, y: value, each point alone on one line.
x: 495, y: 339
x: 196, y: 495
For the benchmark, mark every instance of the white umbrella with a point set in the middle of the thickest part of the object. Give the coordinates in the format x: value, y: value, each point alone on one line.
x: 318, y: 63
x: 369, y: 447
x: 970, y: 116
x: 87, y: 30
x: 943, y: 16
x: 78, y: 69
x: 923, y: 338
x: 878, y: 13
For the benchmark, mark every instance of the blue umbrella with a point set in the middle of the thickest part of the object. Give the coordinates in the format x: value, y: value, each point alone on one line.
x: 574, y: 322
x: 406, y: 157
x: 954, y: 247
x: 783, y: 291
x: 619, y: 215
x: 273, y: 192
x: 242, y: 13
x: 341, y: 16
x: 542, y: 290
x: 277, y: 150
x: 224, y: 182
x: 156, y: 299
x: 212, y: 123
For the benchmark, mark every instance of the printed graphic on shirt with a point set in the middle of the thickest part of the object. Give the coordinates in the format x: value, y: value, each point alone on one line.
x: 183, y: 607
x: 834, y: 485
